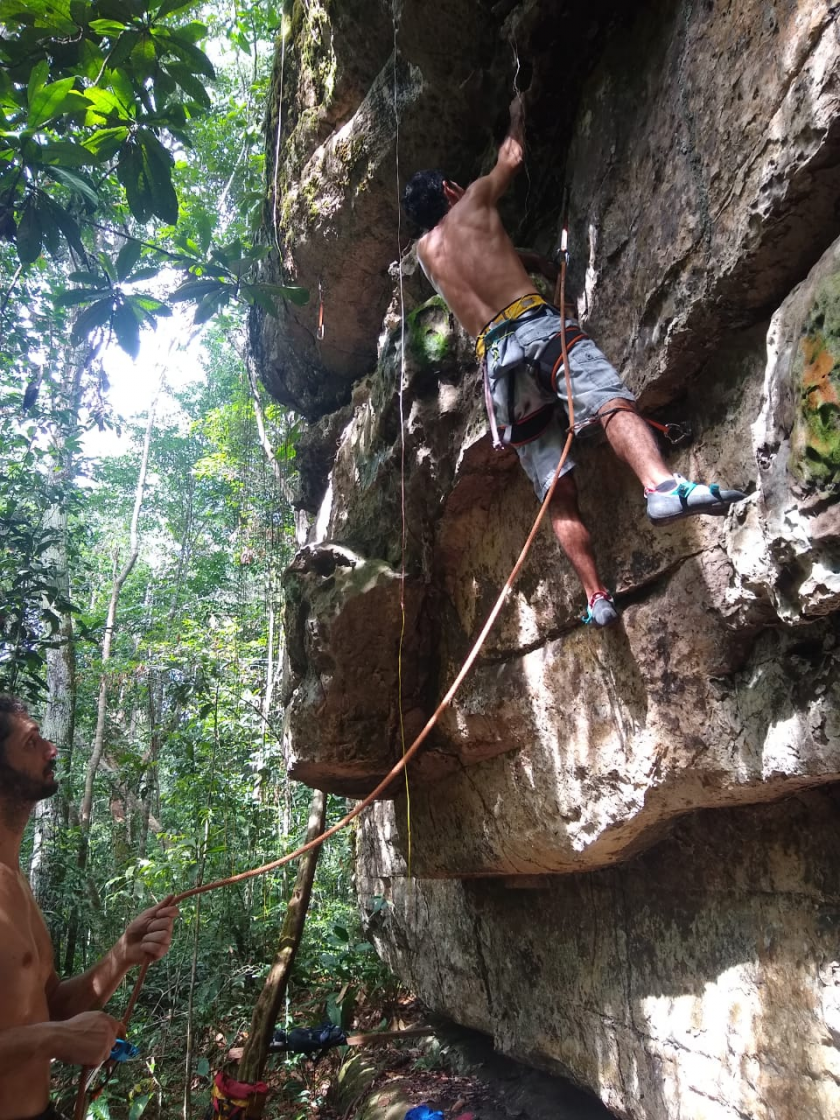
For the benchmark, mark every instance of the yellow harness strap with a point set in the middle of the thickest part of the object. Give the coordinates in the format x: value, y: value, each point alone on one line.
x: 507, y: 315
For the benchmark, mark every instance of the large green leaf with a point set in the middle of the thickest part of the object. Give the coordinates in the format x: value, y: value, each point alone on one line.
x: 76, y: 183
x: 130, y: 173
x: 97, y: 315
x: 170, y: 6
x: 196, y: 289
x: 122, y: 49
x: 143, y: 56
x: 197, y: 60
x: 157, y: 169
x: 106, y: 27
x: 120, y: 84
x: 105, y: 143
x: 138, y: 1106
x: 52, y: 101
x: 38, y: 77
x: 150, y: 307
x: 76, y: 296
x: 50, y: 231
x: 127, y: 329
x: 66, y: 154
x: 294, y: 294
x: 212, y: 303
x: 29, y: 234
x: 107, y: 107
x: 68, y: 226
x: 128, y: 257
x: 188, y: 82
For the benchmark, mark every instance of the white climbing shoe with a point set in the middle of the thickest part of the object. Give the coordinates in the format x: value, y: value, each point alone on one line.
x: 682, y: 498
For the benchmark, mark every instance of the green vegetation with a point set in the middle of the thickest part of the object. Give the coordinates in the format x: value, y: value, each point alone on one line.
x: 428, y: 330
x: 816, y: 437
x: 132, y: 179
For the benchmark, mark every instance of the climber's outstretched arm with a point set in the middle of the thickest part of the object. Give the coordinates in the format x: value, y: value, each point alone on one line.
x: 510, y: 159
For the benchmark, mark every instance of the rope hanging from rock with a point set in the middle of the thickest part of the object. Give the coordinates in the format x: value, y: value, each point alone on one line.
x: 395, y: 23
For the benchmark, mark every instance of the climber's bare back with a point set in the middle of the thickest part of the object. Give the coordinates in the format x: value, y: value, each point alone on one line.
x: 472, y: 261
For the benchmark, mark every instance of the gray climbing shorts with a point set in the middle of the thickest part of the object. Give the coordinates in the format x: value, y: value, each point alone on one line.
x: 539, y: 458
x: 513, y: 351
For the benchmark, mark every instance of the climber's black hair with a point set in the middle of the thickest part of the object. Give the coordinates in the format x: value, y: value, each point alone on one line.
x: 423, y: 198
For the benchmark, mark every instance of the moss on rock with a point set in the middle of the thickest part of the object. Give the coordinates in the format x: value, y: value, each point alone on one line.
x: 815, y: 442
x: 428, y: 331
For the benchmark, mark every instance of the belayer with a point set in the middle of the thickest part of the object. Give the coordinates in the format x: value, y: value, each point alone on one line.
x: 472, y: 263
x: 41, y: 1016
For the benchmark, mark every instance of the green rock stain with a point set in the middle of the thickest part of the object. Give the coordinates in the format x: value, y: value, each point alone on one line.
x: 815, y: 439
x: 428, y: 335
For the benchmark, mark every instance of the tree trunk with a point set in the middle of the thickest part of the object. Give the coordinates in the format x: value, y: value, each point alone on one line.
x: 268, y: 1005
x: 58, y: 723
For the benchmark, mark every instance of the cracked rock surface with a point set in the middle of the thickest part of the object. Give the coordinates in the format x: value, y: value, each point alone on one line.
x: 661, y: 793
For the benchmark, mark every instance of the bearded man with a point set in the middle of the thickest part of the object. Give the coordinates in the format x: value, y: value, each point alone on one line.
x: 41, y: 1017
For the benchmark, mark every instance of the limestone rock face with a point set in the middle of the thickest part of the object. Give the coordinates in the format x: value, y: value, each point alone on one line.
x: 653, y: 791
x: 699, y: 980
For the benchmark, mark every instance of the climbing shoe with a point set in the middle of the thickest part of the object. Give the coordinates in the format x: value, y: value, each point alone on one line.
x: 601, y: 611
x: 677, y: 498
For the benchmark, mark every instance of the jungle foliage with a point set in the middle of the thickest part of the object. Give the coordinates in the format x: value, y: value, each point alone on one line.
x: 131, y: 180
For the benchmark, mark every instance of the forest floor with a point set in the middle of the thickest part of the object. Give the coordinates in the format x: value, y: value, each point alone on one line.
x: 455, y: 1072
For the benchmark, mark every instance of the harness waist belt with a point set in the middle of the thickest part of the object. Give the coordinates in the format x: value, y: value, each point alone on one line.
x: 507, y: 315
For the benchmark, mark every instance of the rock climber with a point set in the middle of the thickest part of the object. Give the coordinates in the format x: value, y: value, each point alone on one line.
x: 472, y: 263
x: 42, y: 1017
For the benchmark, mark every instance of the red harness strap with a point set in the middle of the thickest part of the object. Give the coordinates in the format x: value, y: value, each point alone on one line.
x: 574, y: 335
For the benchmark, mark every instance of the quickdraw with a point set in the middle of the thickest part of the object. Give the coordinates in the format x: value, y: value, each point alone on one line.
x: 675, y: 433
x: 321, y: 329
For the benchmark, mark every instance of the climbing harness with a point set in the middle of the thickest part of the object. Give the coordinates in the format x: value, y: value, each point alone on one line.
x: 549, y: 367
x: 506, y: 315
x: 547, y: 363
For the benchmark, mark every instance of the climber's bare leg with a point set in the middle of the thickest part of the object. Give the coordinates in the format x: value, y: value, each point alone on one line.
x: 573, y: 535
x: 633, y: 442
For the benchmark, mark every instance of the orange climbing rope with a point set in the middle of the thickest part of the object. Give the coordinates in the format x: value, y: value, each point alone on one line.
x: 560, y: 298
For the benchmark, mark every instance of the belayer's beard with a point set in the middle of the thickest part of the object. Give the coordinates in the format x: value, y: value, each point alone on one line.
x: 23, y: 788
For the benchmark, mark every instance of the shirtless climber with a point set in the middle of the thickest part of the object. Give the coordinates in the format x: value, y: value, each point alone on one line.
x: 42, y: 1017
x: 471, y: 262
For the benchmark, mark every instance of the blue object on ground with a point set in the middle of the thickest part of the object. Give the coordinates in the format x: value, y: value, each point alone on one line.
x: 423, y: 1112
